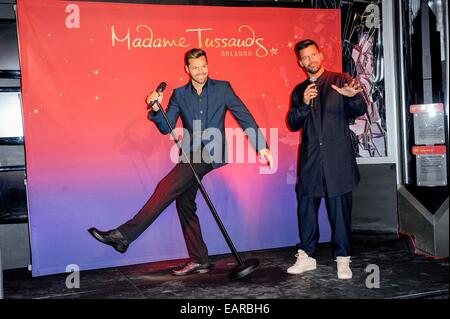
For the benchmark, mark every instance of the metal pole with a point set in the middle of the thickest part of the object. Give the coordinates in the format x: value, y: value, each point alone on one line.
x: 447, y: 75
x: 203, y: 190
x: 427, y: 77
x: 403, y: 142
x: 1, y: 276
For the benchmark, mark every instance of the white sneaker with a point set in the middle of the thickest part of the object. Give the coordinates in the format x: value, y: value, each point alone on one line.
x: 303, y: 263
x: 343, y: 268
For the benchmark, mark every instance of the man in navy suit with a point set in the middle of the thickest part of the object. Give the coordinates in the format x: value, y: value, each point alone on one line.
x: 202, y: 105
x: 322, y: 106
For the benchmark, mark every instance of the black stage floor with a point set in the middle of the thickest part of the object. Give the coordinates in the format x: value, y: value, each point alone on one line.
x: 402, y: 275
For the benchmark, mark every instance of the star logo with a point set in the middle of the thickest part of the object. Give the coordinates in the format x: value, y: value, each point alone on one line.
x: 274, y: 51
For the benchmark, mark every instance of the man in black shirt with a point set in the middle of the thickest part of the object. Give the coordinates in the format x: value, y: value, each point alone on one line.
x: 322, y: 106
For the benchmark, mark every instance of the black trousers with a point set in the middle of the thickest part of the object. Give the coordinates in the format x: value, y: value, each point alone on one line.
x: 179, y: 185
x: 339, y: 213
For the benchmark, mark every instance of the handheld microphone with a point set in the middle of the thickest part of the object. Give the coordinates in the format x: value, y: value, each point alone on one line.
x: 313, y: 81
x: 161, y: 87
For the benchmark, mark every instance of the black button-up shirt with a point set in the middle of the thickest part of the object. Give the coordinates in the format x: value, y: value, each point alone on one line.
x: 199, y: 107
x: 199, y: 102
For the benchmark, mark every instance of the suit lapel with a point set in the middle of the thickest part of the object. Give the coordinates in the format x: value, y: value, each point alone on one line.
x: 184, y: 104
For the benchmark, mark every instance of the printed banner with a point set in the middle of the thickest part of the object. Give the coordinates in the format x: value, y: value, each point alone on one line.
x: 93, y: 158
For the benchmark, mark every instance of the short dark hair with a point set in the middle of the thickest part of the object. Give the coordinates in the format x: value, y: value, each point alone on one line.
x: 304, y: 44
x: 194, y: 54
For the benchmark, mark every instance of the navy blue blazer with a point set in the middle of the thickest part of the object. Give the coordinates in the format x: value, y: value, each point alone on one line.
x: 221, y: 98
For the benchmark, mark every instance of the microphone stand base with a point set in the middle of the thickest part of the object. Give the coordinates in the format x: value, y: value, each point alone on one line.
x: 243, y: 270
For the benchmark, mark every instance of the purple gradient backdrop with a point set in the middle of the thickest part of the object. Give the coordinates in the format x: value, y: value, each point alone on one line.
x: 93, y: 158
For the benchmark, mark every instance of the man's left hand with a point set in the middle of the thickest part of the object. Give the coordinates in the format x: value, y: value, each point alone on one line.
x: 265, y: 153
x: 348, y: 90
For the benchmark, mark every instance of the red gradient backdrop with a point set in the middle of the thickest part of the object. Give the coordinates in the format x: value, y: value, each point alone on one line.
x: 93, y: 158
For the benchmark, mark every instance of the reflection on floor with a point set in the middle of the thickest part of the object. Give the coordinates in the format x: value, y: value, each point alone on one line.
x: 402, y: 275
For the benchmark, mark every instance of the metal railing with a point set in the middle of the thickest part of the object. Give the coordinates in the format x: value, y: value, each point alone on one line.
x: 1, y: 276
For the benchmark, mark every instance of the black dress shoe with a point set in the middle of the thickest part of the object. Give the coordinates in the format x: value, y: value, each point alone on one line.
x: 112, y: 237
x: 190, y: 268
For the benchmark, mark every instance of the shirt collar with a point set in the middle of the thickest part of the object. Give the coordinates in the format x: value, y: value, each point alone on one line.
x: 192, y: 88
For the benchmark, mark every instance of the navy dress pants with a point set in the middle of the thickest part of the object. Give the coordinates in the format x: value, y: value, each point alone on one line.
x: 179, y: 185
x: 339, y: 213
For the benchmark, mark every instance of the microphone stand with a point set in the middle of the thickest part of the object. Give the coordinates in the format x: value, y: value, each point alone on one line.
x: 243, y: 268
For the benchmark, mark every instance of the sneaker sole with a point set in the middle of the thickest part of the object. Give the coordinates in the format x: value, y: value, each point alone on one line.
x: 298, y: 273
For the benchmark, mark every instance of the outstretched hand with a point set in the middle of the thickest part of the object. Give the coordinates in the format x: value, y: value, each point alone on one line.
x: 348, y: 90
